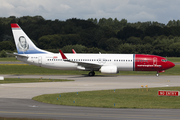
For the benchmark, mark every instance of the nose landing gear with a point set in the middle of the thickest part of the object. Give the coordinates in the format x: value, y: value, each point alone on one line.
x: 157, y: 74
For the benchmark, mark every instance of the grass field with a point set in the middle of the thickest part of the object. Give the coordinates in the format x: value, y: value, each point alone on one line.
x: 9, y: 59
x: 30, y: 80
x: 123, y: 98
x: 172, y: 59
x: 30, y: 69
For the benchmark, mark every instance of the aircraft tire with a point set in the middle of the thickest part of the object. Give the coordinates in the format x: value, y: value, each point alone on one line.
x: 157, y: 75
x: 91, y: 73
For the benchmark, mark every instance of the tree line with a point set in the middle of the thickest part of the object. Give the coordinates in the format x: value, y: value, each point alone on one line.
x: 93, y: 36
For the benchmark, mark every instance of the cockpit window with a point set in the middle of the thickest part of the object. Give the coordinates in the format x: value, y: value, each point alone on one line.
x: 164, y: 60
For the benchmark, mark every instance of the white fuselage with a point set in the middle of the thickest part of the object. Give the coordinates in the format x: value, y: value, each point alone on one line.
x: 124, y: 62
x: 105, y: 63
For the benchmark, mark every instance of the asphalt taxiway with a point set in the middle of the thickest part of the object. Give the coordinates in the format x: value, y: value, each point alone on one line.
x: 81, y: 83
x: 26, y: 108
x: 15, y: 99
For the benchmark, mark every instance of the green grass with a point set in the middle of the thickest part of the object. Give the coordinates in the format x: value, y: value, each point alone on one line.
x: 174, y: 59
x: 31, y: 69
x: 13, y: 59
x: 30, y: 80
x: 123, y: 98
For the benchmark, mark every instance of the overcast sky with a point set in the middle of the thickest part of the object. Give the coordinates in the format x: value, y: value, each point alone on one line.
x: 133, y: 10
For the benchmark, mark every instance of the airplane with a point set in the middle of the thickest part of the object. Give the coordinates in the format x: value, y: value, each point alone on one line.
x: 105, y: 63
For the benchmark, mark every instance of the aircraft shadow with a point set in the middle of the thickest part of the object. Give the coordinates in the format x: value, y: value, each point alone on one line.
x: 85, y: 75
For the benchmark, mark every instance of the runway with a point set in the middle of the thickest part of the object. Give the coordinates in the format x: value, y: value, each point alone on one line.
x: 15, y: 99
x: 81, y: 83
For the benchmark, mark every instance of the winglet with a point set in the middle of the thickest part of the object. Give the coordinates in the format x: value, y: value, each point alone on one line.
x: 73, y: 51
x: 63, y: 56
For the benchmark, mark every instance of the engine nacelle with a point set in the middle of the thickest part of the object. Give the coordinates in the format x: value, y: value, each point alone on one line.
x: 109, y: 69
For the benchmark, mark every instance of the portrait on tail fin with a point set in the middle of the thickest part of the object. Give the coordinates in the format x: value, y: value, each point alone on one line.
x: 22, y: 44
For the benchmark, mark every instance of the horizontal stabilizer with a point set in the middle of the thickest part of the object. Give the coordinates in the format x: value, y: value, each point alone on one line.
x: 16, y: 54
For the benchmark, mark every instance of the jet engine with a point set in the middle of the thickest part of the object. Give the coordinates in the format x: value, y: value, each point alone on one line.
x: 109, y: 69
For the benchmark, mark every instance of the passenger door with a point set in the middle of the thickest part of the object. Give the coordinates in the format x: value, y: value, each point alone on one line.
x: 40, y: 60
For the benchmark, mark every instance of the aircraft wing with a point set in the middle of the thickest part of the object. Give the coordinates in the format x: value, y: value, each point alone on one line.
x: 87, y: 65
x: 80, y: 63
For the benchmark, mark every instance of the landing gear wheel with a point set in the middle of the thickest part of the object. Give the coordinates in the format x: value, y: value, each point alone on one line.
x: 92, y: 73
x: 157, y: 75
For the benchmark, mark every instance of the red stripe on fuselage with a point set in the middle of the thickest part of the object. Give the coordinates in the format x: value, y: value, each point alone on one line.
x: 150, y: 63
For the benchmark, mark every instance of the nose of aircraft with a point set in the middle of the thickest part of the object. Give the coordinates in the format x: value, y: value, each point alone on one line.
x: 171, y: 64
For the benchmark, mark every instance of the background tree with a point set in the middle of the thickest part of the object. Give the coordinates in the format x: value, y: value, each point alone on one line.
x: 106, y: 34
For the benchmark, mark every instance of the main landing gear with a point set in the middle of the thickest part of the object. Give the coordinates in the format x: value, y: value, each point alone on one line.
x: 92, y: 73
